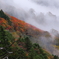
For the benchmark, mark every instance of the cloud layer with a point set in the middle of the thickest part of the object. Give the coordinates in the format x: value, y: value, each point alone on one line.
x: 44, y: 14
x: 35, y: 12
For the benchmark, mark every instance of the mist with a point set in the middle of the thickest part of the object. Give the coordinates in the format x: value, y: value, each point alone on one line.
x: 44, y: 14
x: 35, y: 12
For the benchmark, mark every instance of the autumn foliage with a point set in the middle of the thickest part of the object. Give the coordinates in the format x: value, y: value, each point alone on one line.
x: 19, y: 25
x: 19, y: 33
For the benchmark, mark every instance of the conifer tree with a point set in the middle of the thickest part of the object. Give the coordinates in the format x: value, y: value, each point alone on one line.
x: 28, y: 43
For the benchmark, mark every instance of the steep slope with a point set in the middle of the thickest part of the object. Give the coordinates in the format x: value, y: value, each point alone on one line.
x: 20, y: 28
x: 20, y: 49
x: 19, y: 31
x: 14, y: 24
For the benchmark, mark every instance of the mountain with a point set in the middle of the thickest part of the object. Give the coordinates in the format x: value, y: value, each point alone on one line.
x: 20, y: 40
x: 15, y: 25
x: 21, y: 28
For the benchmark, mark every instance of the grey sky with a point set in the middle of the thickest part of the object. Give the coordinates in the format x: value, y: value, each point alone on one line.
x: 42, y: 5
x: 44, y: 14
x: 40, y: 17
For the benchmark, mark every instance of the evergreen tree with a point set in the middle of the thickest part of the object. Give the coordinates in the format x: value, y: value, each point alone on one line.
x: 4, y: 42
x: 28, y: 43
x: 32, y: 53
x: 3, y: 15
x: 2, y: 36
x: 56, y: 57
x: 35, y: 45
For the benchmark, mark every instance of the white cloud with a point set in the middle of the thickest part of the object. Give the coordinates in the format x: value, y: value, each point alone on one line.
x: 44, y: 15
x: 45, y: 21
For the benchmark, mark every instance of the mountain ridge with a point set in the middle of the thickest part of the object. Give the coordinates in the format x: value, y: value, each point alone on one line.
x: 19, y: 30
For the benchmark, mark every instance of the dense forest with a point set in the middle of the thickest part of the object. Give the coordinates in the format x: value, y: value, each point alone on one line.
x: 20, y: 48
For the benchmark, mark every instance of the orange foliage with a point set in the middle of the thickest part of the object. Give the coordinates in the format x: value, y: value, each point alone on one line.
x: 23, y: 25
x: 2, y: 20
x: 9, y: 27
x: 20, y: 26
x: 26, y: 54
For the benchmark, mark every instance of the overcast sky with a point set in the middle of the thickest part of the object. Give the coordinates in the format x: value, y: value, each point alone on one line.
x: 43, y: 20
x: 43, y: 14
x: 38, y: 5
